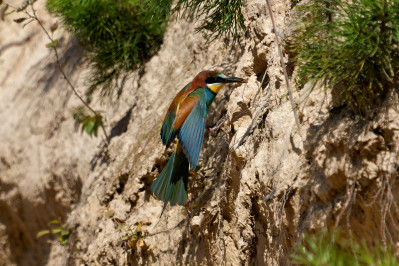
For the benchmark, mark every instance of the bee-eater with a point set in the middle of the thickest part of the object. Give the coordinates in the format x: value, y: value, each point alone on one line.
x: 186, y: 120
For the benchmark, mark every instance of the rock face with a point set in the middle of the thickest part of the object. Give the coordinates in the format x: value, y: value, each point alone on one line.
x: 262, y: 184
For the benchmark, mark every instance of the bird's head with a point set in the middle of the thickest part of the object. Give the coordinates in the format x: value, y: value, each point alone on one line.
x: 215, y: 81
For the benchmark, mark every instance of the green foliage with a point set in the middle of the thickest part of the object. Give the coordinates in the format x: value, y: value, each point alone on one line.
x: 88, y: 123
x: 218, y: 18
x: 327, y: 248
x: 57, y: 229
x: 118, y: 36
x: 52, y: 44
x: 134, y: 237
x: 350, y: 46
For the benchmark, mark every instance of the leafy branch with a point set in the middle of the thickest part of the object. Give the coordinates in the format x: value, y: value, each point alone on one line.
x: 118, y: 37
x: 350, y: 47
x: 96, y: 120
x: 217, y: 18
x: 90, y: 124
x: 56, y: 228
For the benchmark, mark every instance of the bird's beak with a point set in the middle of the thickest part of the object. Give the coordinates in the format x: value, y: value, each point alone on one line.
x: 234, y: 80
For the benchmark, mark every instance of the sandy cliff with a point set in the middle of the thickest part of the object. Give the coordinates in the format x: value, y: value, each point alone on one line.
x: 262, y: 184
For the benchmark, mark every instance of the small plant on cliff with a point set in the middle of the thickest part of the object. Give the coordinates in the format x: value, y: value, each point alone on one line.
x: 220, y: 18
x: 217, y: 19
x: 351, y: 46
x: 58, y: 230
x: 328, y: 248
x: 28, y: 15
x: 88, y: 123
x: 134, y: 237
x: 118, y: 36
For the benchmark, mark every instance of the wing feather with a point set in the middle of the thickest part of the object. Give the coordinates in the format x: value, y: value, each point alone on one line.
x: 169, y: 128
x: 191, y: 134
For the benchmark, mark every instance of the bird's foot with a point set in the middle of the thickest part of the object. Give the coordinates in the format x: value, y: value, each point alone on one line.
x: 217, y: 125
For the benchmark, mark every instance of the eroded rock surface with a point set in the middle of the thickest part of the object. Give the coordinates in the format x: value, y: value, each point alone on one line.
x: 262, y: 184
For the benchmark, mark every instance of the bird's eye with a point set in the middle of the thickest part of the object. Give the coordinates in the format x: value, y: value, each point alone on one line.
x: 211, y: 80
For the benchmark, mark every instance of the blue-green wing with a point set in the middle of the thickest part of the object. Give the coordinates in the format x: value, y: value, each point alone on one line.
x: 191, y: 134
x: 167, y: 132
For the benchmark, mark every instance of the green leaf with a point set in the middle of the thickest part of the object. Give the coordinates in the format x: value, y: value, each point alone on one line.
x: 95, y: 127
x: 56, y: 230
x: 54, y: 222
x: 64, y: 232
x: 42, y: 233
x: 52, y: 44
x: 89, y: 127
x: 63, y: 239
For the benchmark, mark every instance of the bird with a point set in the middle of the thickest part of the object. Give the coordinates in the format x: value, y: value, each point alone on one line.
x: 186, y: 121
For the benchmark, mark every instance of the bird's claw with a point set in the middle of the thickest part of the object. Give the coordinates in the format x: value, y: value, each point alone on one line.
x: 217, y: 125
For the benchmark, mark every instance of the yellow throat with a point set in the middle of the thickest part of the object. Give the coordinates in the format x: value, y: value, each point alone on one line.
x: 215, y: 87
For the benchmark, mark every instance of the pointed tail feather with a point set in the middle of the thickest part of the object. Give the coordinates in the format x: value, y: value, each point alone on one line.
x: 161, y: 185
x: 171, y: 184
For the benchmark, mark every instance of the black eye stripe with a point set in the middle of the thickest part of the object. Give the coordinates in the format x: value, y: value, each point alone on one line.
x: 211, y: 80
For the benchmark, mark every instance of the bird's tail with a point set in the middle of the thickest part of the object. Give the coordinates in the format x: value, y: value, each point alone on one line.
x: 171, y: 184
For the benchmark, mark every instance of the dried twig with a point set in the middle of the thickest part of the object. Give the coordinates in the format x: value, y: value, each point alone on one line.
x: 283, y: 65
x: 34, y: 17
